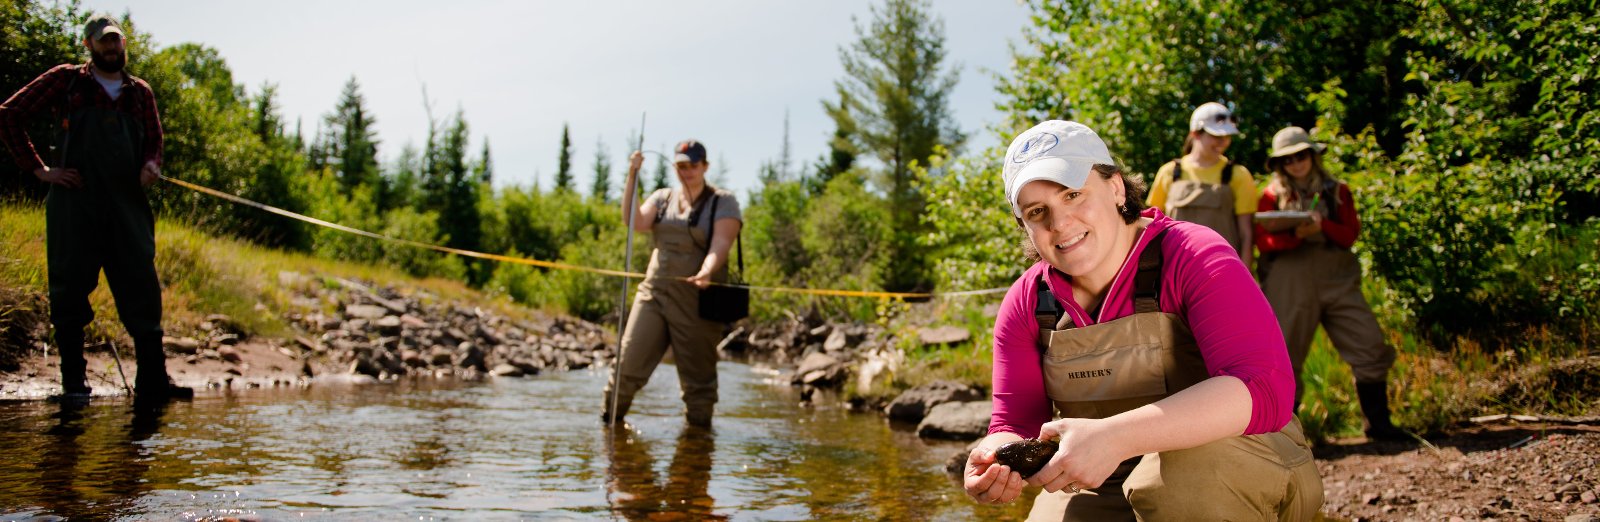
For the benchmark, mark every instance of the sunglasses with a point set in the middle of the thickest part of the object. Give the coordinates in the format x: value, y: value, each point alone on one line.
x: 1227, y: 118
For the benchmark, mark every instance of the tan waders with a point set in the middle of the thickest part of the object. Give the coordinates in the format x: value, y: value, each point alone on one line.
x: 666, y: 314
x: 1319, y: 283
x: 1209, y: 204
x: 1101, y: 370
x: 106, y: 224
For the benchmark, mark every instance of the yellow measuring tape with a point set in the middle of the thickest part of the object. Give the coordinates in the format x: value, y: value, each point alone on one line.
x: 555, y: 265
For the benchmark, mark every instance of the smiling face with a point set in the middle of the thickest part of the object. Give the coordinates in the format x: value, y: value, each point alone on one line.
x: 1078, y: 231
x: 1216, y: 144
x: 1298, y: 165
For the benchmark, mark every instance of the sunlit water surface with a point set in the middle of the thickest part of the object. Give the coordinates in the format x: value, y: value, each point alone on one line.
x: 530, y: 449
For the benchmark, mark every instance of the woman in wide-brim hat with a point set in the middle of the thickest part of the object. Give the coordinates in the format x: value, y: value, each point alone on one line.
x: 1312, y: 278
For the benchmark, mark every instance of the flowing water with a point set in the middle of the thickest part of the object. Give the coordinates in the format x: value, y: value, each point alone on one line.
x: 531, y: 449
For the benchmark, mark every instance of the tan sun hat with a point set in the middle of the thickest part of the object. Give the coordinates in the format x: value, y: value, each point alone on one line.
x: 1291, y: 140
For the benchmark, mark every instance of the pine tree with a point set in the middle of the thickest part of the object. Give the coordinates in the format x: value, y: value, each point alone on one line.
x: 351, y: 144
x: 898, y: 96
x: 601, y: 189
x: 564, y: 167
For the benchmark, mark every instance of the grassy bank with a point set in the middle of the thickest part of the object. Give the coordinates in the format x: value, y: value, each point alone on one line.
x: 200, y: 274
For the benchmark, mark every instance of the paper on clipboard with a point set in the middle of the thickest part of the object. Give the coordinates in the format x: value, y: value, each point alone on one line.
x: 1278, y: 220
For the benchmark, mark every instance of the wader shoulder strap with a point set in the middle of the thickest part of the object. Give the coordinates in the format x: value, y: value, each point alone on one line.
x: 1047, y: 313
x: 1227, y: 173
x: 1146, y: 293
x: 711, y: 231
x: 1147, y: 281
x: 1177, y: 169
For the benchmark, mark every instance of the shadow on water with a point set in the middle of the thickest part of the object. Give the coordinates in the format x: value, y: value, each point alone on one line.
x: 530, y: 449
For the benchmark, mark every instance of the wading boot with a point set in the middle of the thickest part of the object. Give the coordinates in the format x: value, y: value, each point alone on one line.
x: 699, y: 416
x: 1374, y: 398
x: 73, y: 370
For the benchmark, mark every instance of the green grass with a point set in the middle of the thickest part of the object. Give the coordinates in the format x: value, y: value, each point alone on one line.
x: 200, y: 275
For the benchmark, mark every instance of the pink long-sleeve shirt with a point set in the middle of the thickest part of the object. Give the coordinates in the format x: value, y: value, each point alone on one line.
x: 1202, y: 281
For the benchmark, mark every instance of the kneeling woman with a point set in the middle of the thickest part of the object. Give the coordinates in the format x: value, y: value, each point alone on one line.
x: 1152, y: 341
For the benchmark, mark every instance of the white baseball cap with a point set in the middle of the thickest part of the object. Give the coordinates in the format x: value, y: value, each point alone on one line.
x: 1215, y: 119
x: 1056, y: 150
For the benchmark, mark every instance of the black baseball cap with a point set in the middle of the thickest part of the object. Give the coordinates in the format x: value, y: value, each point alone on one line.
x: 691, y: 151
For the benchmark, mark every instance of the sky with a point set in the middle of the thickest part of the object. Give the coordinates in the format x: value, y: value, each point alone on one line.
x: 724, y: 72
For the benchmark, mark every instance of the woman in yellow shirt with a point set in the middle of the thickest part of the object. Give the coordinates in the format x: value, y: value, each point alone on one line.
x: 1204, y: 187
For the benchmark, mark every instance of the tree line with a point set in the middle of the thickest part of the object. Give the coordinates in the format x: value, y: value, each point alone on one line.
x: 1461, y: 125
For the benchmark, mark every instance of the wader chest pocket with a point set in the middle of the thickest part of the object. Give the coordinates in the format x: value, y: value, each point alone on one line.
x: 1123, y: 372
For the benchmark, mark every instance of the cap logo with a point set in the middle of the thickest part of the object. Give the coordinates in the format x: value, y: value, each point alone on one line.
x: 1035, y: 146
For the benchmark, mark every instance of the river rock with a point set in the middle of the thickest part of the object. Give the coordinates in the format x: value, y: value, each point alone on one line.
x: 368, y: 312
x: 412, y: 358
x: 364, y: 366
x: 957, y: 421
x: 221, y: 322
x: 915, y: 403
x: 505, y: 370
x: 440, y: 356
x: 469, y: 355
x: 943, y: 335
x: 388, y: 325
x: 820, y: 369
x: 527, y: 367
x: 181, y: 345
x: 229, y: 353
x: 837, y: 341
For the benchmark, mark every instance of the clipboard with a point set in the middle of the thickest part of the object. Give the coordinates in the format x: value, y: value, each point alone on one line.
x: 1280, y: 220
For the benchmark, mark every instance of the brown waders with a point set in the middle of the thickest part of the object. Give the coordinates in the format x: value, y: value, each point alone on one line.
x: 666, y: 313
x: 1206, y: 204
x: 1319, y: 283
x: 106, y: 224
x: 1101, y: 370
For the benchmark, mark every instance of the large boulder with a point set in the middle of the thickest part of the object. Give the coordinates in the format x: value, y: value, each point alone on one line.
x: 915, y: 403
x: 819, y: 369
x: 957, y: 421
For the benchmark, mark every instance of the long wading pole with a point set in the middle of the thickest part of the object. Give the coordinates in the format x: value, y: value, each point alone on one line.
x: 627, y: 266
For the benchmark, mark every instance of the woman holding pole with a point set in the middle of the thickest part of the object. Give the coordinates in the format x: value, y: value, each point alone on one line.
x: 692, y: 228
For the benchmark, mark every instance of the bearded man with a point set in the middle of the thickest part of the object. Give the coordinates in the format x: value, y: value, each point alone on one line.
x: 108, y: 149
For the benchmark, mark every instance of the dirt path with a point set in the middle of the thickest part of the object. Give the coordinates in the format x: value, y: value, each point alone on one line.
x: 1503, y: 472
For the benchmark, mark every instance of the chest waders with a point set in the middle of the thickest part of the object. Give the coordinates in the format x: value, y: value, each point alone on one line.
x: 106, y: 225
x: 1104, y: 369
x: 1319, y: 283
x: 666, y: 314
x: 1205, y: 203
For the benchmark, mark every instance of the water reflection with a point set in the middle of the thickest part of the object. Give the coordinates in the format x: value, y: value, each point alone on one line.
x: 528, y: 449
x: 639, y: 492
x: 92, y: 462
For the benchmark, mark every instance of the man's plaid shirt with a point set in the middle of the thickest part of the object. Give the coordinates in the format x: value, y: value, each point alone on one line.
x: 49, y: 93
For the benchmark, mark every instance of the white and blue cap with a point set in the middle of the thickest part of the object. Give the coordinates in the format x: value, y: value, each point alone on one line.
x: 1056, y: 150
